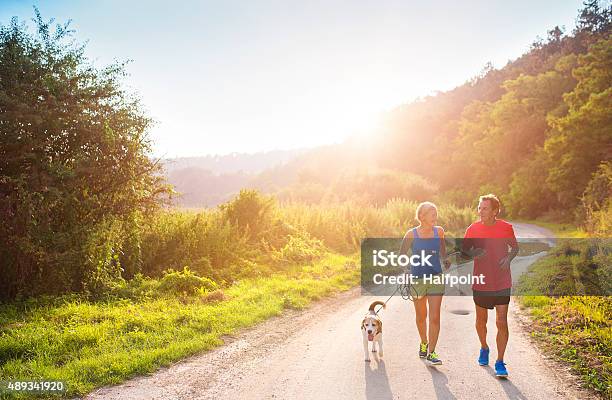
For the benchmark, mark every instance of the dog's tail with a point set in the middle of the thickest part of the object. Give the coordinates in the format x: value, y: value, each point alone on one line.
x: 374, y: 304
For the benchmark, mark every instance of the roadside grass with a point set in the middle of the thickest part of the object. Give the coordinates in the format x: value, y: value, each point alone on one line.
x: 560, y: 230
x: 91, y: 344
x: 575, y: 329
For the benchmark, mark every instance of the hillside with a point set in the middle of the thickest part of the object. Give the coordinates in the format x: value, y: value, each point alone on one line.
x: 521, y: 131
x: 207, y: 181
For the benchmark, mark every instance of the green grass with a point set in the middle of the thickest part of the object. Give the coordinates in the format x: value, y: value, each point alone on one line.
x: 91, y: 344
x: 560, y: 230
x: 575, y: 329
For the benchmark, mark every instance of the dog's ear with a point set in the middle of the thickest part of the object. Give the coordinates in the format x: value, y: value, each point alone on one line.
x: 363, y: 323
x: 379, y: 326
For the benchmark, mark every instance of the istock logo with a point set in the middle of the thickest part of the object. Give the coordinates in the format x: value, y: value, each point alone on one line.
x: 384, y: 258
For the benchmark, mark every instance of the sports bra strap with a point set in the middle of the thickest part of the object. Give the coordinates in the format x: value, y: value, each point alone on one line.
x: 435, y: 233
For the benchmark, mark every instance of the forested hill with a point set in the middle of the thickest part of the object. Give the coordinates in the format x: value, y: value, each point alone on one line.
x: 213, y: 179
x: 250, y: 163
x: 537, y: 131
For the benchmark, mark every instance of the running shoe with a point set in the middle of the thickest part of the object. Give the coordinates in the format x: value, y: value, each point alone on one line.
x: 500, y: 369
x: 432, y: 359
x: 484, y: 357
x: 423, y: 350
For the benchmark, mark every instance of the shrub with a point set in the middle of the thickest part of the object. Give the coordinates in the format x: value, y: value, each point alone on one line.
x: 300, y: 249
x: 137, y: 288
x: 595, y: 211
x: 185, y: 281
x: 250, y: 211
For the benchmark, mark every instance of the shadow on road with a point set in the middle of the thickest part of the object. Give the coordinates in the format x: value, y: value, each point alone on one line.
x: 377, y: 381
x: 512, y: 392
x: 440, y: 383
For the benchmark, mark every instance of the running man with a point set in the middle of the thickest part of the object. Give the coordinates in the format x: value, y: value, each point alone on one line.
x: 493, y: 241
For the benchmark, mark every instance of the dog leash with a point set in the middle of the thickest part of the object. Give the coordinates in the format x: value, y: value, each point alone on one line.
x: 404, y: 292
x: 405, y: 288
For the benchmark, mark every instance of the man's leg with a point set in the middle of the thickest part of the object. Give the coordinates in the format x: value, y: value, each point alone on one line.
x: 502, y: 330
x: 481, y: 325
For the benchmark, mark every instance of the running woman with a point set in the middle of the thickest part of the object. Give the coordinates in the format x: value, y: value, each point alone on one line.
x: 429, y: 238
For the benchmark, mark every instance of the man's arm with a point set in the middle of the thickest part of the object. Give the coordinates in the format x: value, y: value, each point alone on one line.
x: 469, y: 249
x: 504, y: 263
x: 466, y: 244
x: 514, y: 249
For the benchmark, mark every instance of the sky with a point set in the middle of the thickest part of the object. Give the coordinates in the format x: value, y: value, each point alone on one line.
x: 246, y: 76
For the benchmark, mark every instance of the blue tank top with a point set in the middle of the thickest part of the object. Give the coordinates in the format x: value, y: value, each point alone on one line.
x: 430, y: 246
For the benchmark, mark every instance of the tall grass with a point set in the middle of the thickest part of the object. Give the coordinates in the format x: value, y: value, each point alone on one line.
x: 254, y: 236
x: 342, y: 226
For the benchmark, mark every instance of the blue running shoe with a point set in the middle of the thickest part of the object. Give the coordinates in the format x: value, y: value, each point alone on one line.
x: 500, y: 369
x: 484, y: 357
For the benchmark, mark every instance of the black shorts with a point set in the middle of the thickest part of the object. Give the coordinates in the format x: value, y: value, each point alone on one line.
x: 491, y: 299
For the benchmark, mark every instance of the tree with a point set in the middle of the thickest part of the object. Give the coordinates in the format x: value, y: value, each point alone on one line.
x: 529, y: 196
x: 581, y: 138
x: 495, y: 137
x: 593, y: 18
x: 75, y: 170
x: 596, y: 202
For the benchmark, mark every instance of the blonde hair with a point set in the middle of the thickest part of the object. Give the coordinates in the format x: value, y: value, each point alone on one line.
x: 424, y: 206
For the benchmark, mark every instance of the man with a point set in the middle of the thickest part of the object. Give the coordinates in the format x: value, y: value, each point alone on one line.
x: 489, y: 239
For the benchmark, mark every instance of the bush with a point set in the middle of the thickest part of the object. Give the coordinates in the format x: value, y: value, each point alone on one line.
x: 300, y: 249
x: 203, y: 241
x: 595, y: 210
x: 138, y: 288
x: 250, y: 211
x: 185, y: 281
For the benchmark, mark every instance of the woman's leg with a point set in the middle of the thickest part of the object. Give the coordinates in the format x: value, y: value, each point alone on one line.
x: 435, y: 303
x: 420, y: 308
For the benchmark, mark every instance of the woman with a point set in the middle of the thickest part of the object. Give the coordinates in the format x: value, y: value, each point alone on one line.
x: 429, y: 239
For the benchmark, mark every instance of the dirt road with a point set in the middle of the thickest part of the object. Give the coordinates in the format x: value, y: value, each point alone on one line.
x: 317, y: 354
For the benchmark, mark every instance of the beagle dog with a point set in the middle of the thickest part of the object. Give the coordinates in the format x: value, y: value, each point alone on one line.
x: 371, y: 329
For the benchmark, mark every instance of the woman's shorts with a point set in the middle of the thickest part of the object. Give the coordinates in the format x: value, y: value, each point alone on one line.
x: 491, y: 299
x: 421, y: 288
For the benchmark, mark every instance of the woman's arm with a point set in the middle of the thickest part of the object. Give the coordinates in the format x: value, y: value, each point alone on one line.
x: 407, y: 242
x: 443, y: 248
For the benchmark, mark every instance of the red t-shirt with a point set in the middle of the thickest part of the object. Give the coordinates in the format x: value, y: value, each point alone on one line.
x: 494, y: 239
